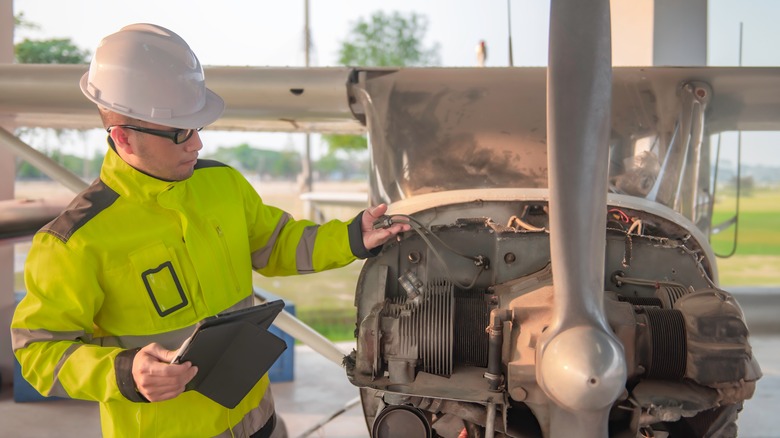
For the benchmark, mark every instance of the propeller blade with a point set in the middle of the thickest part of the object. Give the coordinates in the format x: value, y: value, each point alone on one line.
x: 580, y: 363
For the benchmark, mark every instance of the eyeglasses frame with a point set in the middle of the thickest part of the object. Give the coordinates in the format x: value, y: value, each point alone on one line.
x: 170, y: 135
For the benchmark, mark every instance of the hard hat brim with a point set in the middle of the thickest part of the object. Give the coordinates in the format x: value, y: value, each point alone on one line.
x: 207, y: 115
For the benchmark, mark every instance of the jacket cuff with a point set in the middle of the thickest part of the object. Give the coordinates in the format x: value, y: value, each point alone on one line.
x: 123, y: 368
x: 356, y: 239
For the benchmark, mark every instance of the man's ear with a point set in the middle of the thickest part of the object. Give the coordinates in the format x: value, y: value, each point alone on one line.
x: 121, y: 140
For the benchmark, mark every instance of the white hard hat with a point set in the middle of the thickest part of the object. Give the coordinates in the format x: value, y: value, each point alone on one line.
x: 149, y: 73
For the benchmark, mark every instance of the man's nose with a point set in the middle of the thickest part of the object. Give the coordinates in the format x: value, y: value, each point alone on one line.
x: 193, y: 143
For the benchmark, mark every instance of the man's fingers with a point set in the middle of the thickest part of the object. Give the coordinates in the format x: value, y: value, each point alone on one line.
x: 158, y: 352
x: 166, y: 355
x: 166, y: 381
x: 376, y: 210
x: 157, y: 379
x: 193, y: 372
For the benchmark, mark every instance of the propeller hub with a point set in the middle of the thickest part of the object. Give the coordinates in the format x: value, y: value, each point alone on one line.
x: 583, y: 368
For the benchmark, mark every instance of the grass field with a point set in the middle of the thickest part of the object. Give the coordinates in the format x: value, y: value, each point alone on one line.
x: 756, y: 261
x: 759, y: 224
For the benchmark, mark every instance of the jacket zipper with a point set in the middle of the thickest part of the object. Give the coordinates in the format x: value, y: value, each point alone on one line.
x: 224, y: 244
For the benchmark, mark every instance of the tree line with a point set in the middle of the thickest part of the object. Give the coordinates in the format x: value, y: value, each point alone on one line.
x: 253, y: 162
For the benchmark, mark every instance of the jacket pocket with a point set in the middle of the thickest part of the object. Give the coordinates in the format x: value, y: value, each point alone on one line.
x: 164, y: 289
x: 157, y: 270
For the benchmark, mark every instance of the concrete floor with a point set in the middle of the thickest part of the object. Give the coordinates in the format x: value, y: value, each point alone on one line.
x: 320, y: 389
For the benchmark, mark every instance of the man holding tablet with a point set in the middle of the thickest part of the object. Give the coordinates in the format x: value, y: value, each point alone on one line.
x: 160, y: 241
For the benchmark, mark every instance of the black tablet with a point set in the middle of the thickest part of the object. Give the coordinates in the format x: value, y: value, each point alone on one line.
x: 232, y: 352
x: 261, y: 316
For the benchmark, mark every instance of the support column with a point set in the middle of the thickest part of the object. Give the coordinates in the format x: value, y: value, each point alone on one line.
x: 7, y: 177
x: 659, y: 32
x: 680, y: 33
x: 632, y: 32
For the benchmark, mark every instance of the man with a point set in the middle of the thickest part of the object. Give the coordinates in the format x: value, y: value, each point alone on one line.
x: 159, y: 242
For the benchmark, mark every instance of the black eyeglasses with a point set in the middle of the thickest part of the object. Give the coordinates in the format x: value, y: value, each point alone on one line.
x: 177, y: 136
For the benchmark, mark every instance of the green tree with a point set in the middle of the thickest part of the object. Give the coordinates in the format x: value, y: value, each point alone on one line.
x: 345, y: 142
x: 49, y: 51
x: 260, y: 162
x: 383, y: 40
x: 249, y: 158
x: 88, y: 168
x: 287, y: 166
x: 25, y: 170
x: 342, y: 165
x: 747, y: 184
x: 328, y: 165
x: 389, y: 40
x: 21, y: 23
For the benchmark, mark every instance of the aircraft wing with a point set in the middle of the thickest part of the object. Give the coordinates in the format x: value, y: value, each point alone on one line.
x: 743, y: 98
x: 290, y: 99
x: 257, y: 98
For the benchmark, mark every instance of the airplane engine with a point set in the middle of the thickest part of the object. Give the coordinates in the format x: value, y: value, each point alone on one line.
x: 449, y: 316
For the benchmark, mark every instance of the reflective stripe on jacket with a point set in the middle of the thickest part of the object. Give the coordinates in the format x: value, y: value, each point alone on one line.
x: 135, y: 260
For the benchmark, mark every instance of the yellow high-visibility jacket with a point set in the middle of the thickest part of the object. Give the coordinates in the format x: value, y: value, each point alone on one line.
x: 135, y: 260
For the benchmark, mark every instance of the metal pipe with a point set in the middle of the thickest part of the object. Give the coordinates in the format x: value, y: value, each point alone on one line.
x: 302, y: 332
x: 296, y: 328
x: 495, y: 345
x: 490, y: 422
x: 41, y: 162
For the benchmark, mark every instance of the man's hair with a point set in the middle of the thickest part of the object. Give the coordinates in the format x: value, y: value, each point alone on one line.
x: 111, y: 118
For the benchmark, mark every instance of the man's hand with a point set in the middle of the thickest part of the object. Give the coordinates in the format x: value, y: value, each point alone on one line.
x: 373, y: 237
x: 156, y: 378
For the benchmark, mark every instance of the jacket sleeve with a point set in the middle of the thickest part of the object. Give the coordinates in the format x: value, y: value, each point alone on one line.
x: 281, y: 245
x: 52, y: 327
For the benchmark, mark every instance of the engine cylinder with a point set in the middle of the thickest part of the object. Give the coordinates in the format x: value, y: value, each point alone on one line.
x: 668, y: 348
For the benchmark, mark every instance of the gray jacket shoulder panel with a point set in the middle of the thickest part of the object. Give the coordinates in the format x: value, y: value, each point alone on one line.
x: 85, y: 206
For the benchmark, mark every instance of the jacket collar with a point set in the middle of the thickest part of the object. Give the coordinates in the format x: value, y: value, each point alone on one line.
x: 130, y: 182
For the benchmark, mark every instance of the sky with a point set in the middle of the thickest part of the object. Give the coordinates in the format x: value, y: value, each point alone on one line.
x: 265, y: 33
x: 270, y: 33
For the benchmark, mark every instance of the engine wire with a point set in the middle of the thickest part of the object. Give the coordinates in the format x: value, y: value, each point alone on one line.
x: 523, y: 224
x: 421, y: 229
